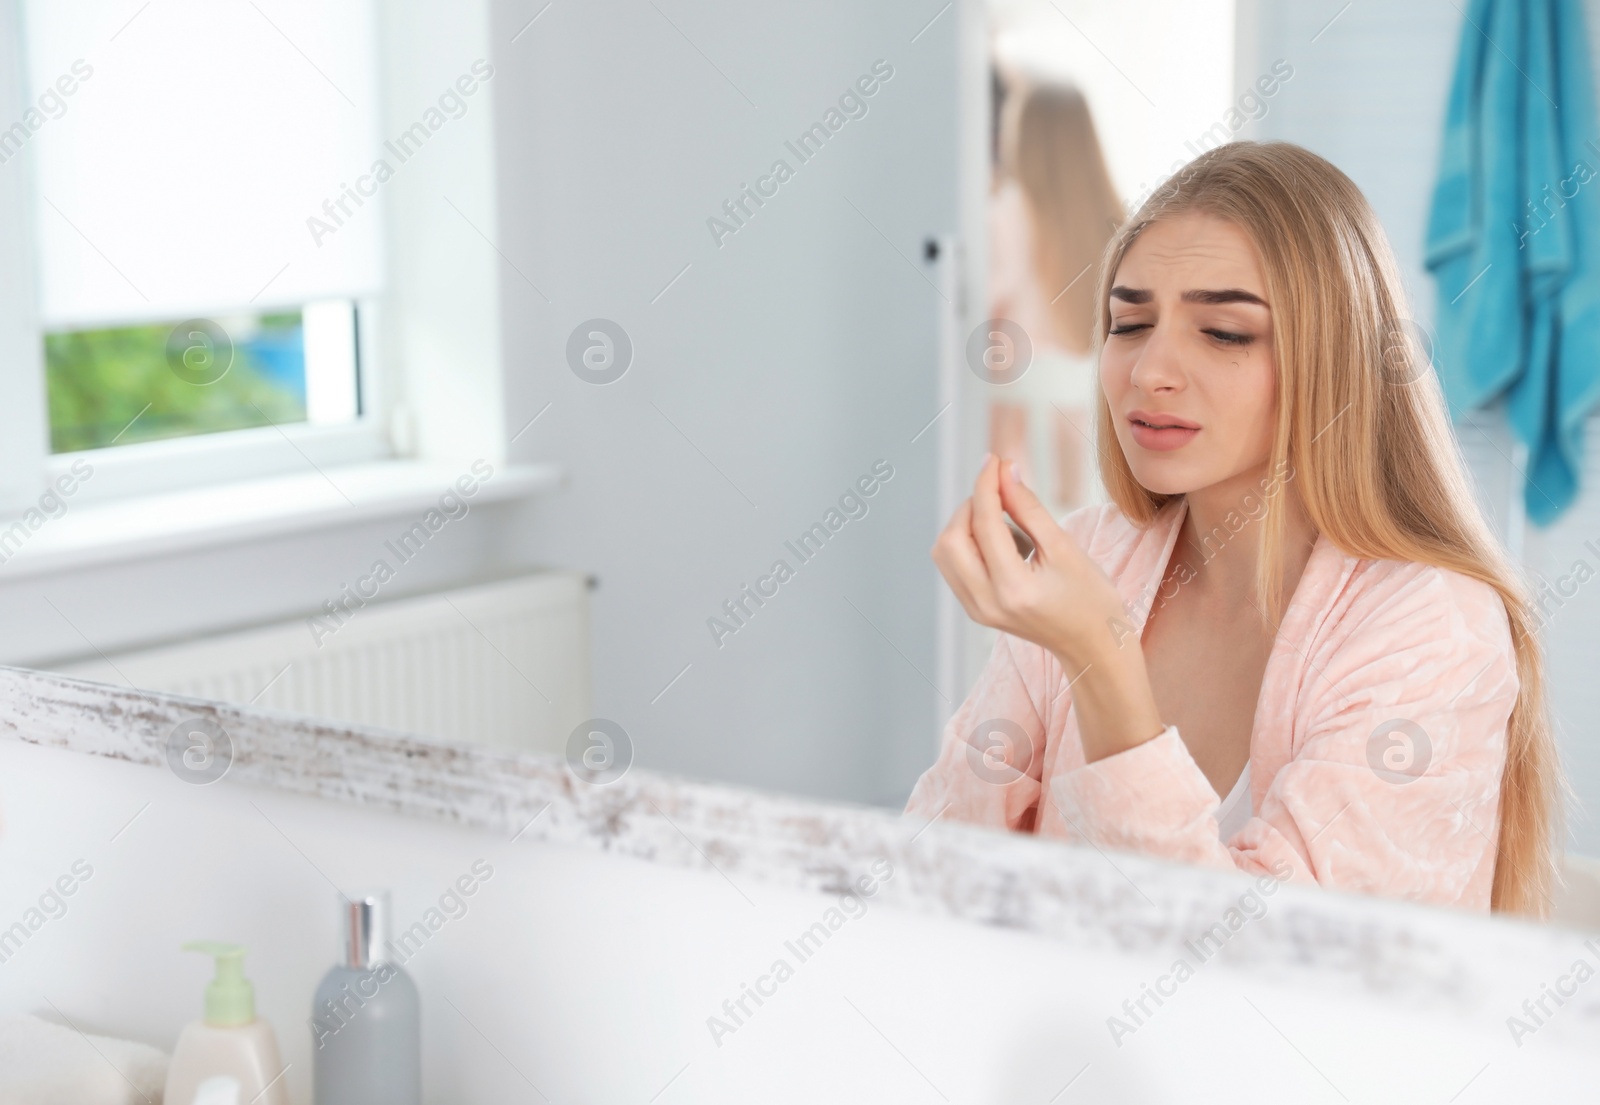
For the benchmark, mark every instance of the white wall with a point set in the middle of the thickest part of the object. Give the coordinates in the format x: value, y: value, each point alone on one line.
x: 772, y: 374
x: 151, y: 600
x: 1369, y: 94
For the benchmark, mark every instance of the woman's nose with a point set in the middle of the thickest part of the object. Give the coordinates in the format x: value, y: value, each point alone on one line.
x: 1158, y: 366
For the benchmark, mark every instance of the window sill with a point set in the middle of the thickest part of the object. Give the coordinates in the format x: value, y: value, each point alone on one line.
x: 182, y: 521
x: 229, y: 457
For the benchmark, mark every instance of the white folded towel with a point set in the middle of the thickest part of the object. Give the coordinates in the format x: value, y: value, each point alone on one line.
x: 47, y: 1064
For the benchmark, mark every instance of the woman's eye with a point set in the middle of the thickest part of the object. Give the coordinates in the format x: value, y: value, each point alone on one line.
x: 1228, y: 338
x: 1128, y: 328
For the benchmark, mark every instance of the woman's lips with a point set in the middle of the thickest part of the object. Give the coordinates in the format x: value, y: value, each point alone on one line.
x: 1161, y: 440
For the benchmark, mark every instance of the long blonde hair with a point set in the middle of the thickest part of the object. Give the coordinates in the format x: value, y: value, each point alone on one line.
x: 1049, y: 147
x: 1362, y: 423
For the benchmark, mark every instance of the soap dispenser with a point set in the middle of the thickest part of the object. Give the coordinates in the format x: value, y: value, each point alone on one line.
x: 230, y: 1043
x: 365, y: 1018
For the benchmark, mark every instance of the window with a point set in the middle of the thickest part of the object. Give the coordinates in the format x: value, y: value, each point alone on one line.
x: 150, y: 381
x: 180, y: 290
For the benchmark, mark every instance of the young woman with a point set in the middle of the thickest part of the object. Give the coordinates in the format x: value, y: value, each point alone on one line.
x: 1292, y: 599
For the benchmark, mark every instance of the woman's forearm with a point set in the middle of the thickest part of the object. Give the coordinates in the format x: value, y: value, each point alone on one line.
x: 1115, y: 706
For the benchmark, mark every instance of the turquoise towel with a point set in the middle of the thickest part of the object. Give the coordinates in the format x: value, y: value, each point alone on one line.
x: 1513, y: 235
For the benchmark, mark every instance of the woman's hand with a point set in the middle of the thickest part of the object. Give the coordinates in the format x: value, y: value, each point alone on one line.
x: 1059, y: 598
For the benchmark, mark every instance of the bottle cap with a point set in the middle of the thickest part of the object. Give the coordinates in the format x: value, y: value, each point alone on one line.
x: 230, y: 999
x: 366, y: 929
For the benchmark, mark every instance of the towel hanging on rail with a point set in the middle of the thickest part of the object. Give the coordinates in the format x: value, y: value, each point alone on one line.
x: 1514, y: 235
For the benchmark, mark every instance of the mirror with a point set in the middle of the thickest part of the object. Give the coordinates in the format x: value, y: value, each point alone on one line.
x: 595, y: 382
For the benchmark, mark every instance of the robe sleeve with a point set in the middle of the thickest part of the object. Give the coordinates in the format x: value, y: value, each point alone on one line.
x: 991, y: 755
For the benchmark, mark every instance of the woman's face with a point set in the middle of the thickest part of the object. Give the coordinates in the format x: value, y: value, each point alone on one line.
x: 1190, y: 345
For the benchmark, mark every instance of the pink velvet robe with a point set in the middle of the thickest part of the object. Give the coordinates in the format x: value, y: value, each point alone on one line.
x: 1342, y: 796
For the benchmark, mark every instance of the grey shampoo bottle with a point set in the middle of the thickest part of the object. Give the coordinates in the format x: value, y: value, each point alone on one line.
x: 365, y: 1019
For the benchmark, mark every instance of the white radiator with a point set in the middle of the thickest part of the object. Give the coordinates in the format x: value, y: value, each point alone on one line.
x: 503, y: 663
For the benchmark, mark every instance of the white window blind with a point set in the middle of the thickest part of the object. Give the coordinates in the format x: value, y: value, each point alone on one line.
x: 177, y: 176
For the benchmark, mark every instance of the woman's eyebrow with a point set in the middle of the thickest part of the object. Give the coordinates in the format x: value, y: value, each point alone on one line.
x: 1209, y: 296
x: 1223, y: 295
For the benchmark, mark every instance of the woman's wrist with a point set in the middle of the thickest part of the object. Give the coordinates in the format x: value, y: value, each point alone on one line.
x: 1111, y: 695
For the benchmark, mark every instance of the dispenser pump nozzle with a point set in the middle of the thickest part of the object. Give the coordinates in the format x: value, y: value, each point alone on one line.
x: 230, y: 999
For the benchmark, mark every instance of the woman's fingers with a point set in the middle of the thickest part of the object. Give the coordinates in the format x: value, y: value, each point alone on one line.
x: 994, y: 540
x: 958, y: 588
x: 1024, y: 506
x: 963, y: 568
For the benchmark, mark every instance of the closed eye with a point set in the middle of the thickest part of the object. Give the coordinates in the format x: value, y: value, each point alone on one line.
x: 1228, y: 338
x: 1129, y: 328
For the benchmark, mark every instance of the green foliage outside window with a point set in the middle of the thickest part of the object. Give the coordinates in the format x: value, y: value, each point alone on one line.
x: 99, y: 381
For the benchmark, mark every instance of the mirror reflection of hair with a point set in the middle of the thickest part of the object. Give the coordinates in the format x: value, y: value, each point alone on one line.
x: 1049, y: 146
x: 1052, y: 211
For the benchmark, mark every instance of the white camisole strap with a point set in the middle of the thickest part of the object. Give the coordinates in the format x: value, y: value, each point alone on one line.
x: 1235, y: 809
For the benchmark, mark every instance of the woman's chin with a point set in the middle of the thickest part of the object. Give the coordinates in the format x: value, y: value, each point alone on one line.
x: 1166, y: 483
